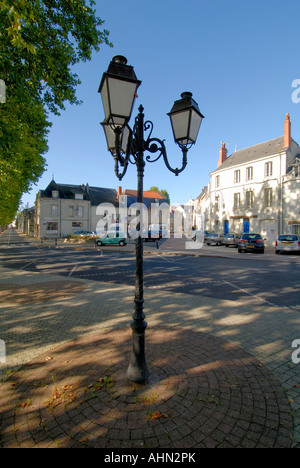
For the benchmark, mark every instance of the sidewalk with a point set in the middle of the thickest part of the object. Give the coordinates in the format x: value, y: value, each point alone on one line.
x: 220, y: 371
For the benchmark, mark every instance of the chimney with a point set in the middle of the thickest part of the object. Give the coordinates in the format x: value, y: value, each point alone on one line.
x: 287, y: 131
x: 119, y: 191
x: 222, y: 154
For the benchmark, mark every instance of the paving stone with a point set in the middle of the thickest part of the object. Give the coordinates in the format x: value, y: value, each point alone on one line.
x: 90, y: 404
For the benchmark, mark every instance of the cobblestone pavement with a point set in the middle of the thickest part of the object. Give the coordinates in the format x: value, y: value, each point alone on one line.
x: 221, y: 373
x: 203, y: 392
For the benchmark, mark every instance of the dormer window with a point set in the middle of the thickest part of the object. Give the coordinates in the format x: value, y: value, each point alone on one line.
x: 78, y: 196
x: 55, y: 193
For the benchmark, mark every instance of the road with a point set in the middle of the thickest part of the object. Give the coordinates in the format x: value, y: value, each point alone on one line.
x: 249, y: 300
x: 273, y: 280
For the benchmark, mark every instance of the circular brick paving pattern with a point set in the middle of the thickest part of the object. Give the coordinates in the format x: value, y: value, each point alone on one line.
x: 202, y: 392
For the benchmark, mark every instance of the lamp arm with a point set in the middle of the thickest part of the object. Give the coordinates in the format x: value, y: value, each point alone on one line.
x: 136, y: 143
x: 118, y: 157
x: 184, y: 162
x: 154, y: 148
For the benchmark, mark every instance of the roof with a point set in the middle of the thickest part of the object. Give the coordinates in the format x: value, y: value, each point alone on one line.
x: 98, y: 195
x: 65, y: 190
x: 253, y: 153
x: 149, y: 197
x: 147, y: 194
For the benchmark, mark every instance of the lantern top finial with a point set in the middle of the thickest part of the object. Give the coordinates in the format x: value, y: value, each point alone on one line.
x: 120, y: 59
x: 186, y: 94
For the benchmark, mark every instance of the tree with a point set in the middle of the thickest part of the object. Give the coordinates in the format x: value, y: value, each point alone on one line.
x: 40, y: 42
x: 163, y: 192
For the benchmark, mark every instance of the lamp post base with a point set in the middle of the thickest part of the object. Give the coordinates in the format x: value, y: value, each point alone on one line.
x: 137, y: 370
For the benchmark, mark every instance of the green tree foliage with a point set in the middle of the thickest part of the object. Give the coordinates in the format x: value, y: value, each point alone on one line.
x: 40, y: 41
x: 163, y: 192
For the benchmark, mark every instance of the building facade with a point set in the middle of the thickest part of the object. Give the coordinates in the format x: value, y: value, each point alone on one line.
x: 255, y: 189
x: 62, y: 209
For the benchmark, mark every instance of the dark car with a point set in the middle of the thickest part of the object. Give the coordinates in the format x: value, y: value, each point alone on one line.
x: 251, y: 243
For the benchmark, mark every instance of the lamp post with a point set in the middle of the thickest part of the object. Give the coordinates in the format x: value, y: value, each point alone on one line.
x: 118, y: 91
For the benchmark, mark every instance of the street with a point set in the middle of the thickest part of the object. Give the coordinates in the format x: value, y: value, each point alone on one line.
x: 273, y: 280
x: 53, y: 295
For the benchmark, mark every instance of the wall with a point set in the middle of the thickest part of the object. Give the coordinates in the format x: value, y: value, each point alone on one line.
x: 59, y: 218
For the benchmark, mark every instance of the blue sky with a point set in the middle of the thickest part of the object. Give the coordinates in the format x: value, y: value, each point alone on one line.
x: 238, y: 58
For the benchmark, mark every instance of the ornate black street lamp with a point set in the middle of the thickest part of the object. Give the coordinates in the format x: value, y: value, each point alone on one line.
x: 118, y: 91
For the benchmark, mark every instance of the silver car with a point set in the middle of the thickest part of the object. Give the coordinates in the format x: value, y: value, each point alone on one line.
x: 214, y: 238
x: 231, y: 239
x: 287, y: 243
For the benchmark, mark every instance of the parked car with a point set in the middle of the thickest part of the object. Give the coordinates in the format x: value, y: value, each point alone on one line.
x: 251, y: 243
x: 200, y: 236
x: 112, y: 238
x: 287, y: 243
x: 156, y: 231
x: 231, y: 239
x: 85, y: 233
x: 214, y: 238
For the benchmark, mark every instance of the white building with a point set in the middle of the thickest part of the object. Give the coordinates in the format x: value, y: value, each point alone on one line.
x: 290, y: 210
x: 256, y: 189
x: 63, y: 209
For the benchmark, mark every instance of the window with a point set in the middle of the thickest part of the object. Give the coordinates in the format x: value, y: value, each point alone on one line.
x: 249, y: 199
x: 236, y: 200
x: 80, y: 211
x: 78, y: 196
x: 268, y: 169
x: 268, y: 195
x: 217, y: 203
x: 217, y: 181
x: 289, y: 238
x: 296, y: 171
x: 52, y: 228
x: 296, y: 229
x: 237, y: 176
x: 54, y: 211
x: 55, y: 194
x: 249, y: 173
x: 71, y: 210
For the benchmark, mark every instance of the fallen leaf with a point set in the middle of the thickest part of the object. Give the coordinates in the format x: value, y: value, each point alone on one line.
x: 157, y: 415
